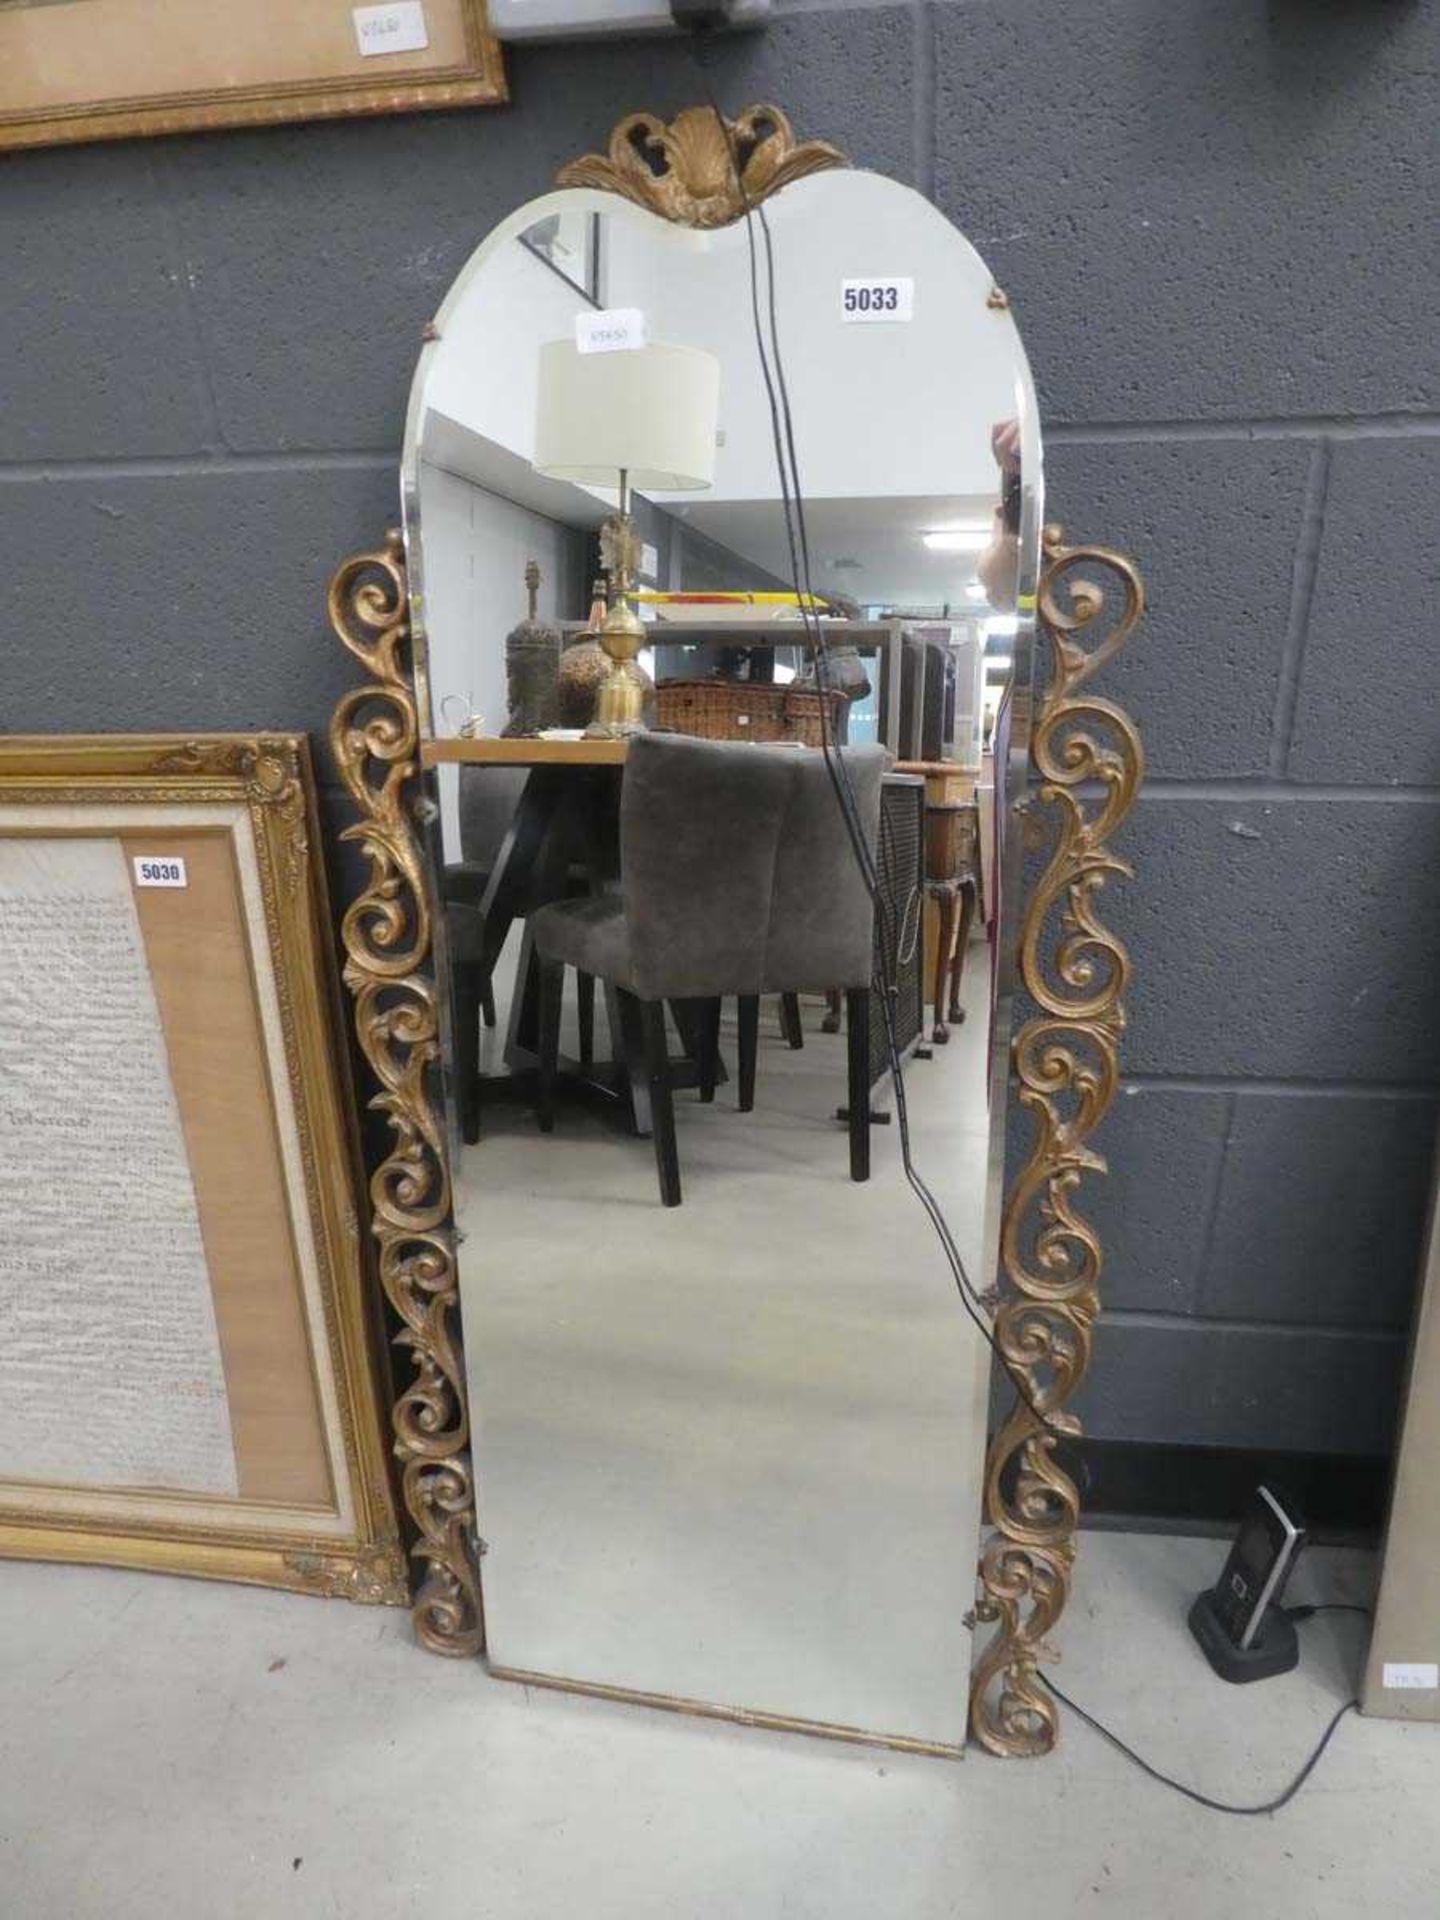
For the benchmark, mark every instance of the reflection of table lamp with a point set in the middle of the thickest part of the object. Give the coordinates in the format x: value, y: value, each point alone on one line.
x: 646, y: 414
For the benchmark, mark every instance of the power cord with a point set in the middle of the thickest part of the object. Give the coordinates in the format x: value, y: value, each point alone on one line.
x: 1194, y: 1793
x: 793, y: 504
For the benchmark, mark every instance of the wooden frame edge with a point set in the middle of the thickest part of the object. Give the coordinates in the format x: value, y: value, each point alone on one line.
x: 388, y: 935
x: 1087, y: 753
x: 480, y: 82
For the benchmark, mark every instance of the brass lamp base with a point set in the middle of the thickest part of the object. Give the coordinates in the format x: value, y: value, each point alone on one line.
x: 620, y: 705
x: 627, y: 689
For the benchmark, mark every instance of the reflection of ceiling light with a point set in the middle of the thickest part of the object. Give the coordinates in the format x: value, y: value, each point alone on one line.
x: 974, y: 591
x: 955, y: 539
x: 999, y: 662
x: 1002, y: 627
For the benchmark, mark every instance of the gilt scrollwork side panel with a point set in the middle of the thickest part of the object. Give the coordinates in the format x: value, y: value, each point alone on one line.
x: 1089, y: 763
x: 387, y: 930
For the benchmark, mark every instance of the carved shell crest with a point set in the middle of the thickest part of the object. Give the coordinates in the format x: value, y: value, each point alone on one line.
x: 686, y: 171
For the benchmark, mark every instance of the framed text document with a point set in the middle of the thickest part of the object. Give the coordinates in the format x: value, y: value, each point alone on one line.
x: 187, y: 1341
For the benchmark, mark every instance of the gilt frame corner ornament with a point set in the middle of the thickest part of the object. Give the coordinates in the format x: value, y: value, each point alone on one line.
x: 1087, y: 754
x: 388, y: 935
x: 701, y: 170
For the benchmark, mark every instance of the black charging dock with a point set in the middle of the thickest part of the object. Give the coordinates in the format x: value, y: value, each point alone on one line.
x: 1275, y: 1648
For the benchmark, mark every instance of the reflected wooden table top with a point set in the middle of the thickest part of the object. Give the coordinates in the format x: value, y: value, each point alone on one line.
x: 483, y: 751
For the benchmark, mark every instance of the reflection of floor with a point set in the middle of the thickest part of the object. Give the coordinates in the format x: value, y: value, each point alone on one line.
x: 732, y: 1451
x: 180, y: 1746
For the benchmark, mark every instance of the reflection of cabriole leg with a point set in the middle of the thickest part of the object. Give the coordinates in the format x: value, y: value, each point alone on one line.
x: 962, y: 947
x: 1087, y: 755
x: 387, y: 933
x: 944, y: 954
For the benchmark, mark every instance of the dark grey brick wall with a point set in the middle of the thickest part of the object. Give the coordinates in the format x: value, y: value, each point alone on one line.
x: 1215, y: 218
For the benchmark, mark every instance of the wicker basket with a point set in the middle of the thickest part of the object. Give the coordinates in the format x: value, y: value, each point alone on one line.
x: 743, y: 710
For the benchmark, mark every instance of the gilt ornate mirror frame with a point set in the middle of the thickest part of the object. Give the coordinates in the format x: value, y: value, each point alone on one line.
x: 1087, y: 763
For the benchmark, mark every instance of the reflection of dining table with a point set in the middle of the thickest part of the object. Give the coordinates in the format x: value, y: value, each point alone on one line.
x: 566, y: 822
x: 954, y: 891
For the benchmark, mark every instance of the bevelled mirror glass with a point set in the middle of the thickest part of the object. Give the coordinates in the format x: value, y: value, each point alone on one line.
x: 728, y: 1409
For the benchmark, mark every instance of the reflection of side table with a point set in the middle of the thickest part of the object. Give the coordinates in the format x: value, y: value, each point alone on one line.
x: 952, y: 882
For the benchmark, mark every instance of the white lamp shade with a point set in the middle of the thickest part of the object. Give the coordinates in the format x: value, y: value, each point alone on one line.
x: 649, y: 410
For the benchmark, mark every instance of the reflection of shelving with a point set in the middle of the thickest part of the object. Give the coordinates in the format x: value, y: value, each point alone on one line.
x: 899, y: 948
x: 702, y: 645
x: 913, y: 699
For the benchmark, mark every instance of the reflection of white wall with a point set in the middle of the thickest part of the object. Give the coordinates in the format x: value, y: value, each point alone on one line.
x: 476, y: 547
x: 879, y: 409
x: 893, y: 421
x: 483, y: 372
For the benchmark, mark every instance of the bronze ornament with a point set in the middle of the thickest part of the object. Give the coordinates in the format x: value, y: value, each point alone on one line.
x: 685, y: 171
x: 387, y: 934
x: 1065, y: 1058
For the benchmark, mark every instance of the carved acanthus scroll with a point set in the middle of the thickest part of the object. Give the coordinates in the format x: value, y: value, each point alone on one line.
x: 1087, y: 753
x: 387, y: 932
x: 686, y: 171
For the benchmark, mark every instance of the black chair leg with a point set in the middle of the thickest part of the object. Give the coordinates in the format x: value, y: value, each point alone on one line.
x: 857, y: 1031
x: 585, y: 997
x: 487, y: 999
x: 662, y: 1106
x: 708, y: 1027
x: 467, y: 1050
x: 551, y: 984
x: 748, y: 1008
x: 791, y: 1024
x: 831, y: 1022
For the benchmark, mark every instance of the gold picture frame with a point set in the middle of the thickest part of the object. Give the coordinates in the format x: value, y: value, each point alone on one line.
x: 263, y: 64
x: 1088, y: 762
x: 238, y: 967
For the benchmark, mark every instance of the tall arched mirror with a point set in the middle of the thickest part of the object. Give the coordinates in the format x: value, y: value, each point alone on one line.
x: 722, y: 526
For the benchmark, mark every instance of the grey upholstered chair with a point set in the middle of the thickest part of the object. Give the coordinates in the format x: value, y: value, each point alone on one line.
x: 737, y: 876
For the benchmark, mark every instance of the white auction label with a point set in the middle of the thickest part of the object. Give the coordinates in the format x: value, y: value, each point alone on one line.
x: 1411, y: 1673
x: 613, y: 330
x: 160, y: 870
x: 878, y: 299
x: 398, y: 28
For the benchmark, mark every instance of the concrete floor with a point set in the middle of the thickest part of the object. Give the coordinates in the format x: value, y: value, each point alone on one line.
x: 732, y: 1451
x: 174, y: 1746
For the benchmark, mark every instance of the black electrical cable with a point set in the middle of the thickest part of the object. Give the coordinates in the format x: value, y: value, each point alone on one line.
x: 792, y: 499
x: 1193, y: 1793
x: 1309, y: 1611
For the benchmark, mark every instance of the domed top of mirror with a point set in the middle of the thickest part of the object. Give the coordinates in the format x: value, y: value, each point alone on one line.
x: 909, y: 397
